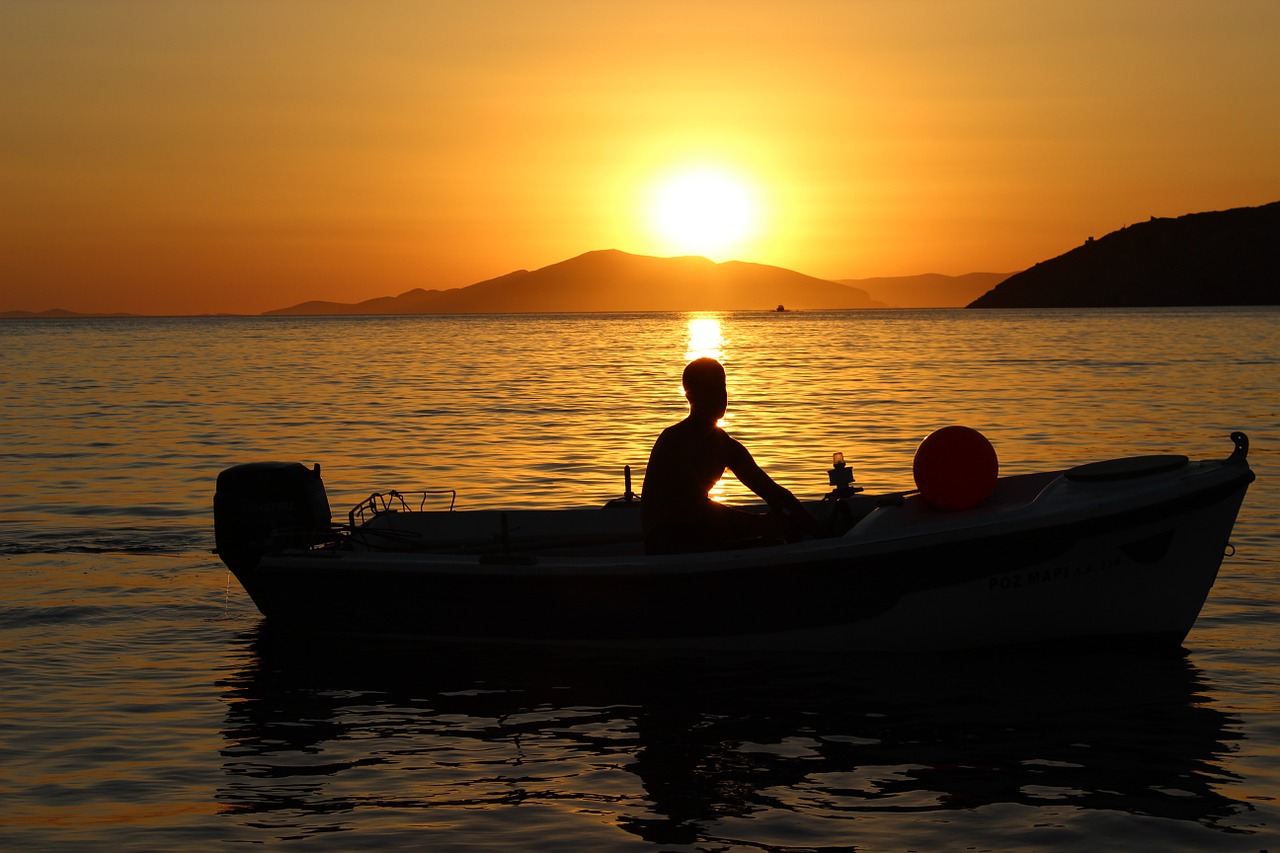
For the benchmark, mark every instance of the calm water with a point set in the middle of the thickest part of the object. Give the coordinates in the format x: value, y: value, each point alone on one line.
x: 145, y: 707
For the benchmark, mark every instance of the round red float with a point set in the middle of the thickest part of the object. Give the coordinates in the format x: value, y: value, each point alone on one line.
x: 955, y: 468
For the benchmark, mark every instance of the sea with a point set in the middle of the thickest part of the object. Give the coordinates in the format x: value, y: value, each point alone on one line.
x: 145, y: 705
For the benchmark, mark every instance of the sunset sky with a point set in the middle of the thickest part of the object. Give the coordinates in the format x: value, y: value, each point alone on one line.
x: 190, y: 157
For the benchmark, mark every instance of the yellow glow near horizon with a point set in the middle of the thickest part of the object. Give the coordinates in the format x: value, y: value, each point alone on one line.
x: 705, y: 211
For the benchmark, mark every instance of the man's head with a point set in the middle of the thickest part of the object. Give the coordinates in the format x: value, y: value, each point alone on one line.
x: 704, y: 386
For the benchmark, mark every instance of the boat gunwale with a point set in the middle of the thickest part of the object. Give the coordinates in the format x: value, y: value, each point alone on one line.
x: 1092, y: 518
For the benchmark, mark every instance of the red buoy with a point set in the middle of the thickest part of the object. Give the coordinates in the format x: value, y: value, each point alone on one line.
x: 955, y: 468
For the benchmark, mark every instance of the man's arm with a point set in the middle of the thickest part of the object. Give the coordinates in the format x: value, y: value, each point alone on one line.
x: 779, y: 499
x: 744, y: 467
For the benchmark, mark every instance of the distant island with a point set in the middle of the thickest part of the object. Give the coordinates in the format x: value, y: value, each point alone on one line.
x: 928, y: 291
x: 674, y: 280
x: 615, y: 281
x: 1229, y: 257
x: 55, y: 314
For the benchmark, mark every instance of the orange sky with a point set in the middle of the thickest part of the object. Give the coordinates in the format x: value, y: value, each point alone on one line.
x: 189, y: 157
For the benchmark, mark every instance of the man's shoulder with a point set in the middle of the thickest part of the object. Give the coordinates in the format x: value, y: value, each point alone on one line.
x: 684, y: 427
x: 672, y: 431
x: 669, y: 436
x: 689, y: 433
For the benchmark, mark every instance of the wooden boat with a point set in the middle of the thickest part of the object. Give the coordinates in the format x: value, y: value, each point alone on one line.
x: 1117, y: 551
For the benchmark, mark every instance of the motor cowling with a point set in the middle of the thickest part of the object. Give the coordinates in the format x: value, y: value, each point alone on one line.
x: 257, y: 501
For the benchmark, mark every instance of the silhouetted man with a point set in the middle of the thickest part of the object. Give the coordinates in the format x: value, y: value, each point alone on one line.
x: 688, y: 459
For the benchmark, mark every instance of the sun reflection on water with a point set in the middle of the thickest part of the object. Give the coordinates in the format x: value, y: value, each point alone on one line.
x: 706, y: 338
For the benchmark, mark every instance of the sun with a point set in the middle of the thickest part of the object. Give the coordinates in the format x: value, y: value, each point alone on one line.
x: 704, y: 211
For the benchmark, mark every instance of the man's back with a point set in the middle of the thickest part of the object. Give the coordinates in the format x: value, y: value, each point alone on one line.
x: 688, y: 459
x: 686, y: 462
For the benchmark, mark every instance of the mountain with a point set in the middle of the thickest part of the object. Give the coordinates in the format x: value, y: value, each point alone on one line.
x: 611, y: 280
x: 54, y: 314
x: 1228, y: 257
x: 928, y: 291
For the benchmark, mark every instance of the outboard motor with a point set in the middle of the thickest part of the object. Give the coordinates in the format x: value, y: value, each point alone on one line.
x: 259, y: 499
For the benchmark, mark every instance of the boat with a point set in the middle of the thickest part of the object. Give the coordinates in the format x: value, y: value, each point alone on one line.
x: 1116, y: 552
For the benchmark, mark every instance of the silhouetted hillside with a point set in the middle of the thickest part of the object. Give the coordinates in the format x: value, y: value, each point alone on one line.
x: 56, y: 314
x: 611, y: 280
x: 927, y: 291
x: 1229, y: 257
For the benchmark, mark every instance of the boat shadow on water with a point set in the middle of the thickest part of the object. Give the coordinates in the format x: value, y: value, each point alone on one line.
x: 323, y: 736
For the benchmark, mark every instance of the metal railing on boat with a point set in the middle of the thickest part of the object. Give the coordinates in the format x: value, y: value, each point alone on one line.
x: 393, y: 501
